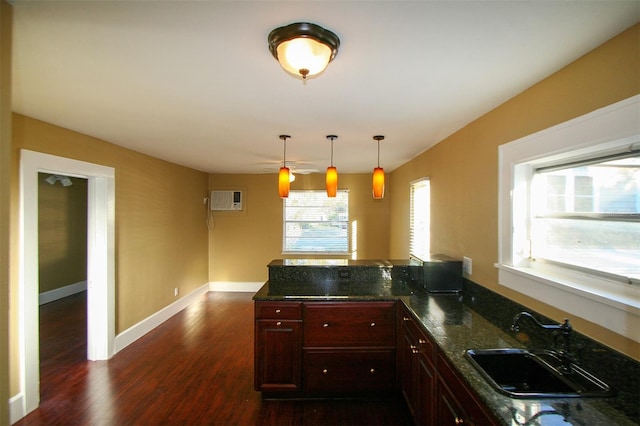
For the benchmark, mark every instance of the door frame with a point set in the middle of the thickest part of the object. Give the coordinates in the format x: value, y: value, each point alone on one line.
x: 100, y: 264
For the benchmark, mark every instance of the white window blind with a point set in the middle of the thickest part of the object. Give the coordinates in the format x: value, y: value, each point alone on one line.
x: 420, y: 219
x: 316, y: 224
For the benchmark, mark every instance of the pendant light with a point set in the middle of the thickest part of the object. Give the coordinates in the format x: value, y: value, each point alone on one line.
x: 378, y: 174
x: 332, y: 173
x: 283, y: 175
x: 303, y: 49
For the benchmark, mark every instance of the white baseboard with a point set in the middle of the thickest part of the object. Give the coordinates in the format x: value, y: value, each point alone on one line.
x: 247, y: 287
x: 59, y: 293
x: 16, y: 408
x: 135, y: 332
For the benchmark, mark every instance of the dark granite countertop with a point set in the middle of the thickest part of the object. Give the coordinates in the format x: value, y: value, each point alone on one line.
x: 331, y: 262
x: 455, y: 327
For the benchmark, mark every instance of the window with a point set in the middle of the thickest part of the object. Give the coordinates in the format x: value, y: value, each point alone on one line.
x: 420, y: 220
x: 316, y: 224
x: 587, y: 215
x: 568, y: 216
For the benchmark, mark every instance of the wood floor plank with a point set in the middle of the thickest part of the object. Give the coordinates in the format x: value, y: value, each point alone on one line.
x: 194, y: 369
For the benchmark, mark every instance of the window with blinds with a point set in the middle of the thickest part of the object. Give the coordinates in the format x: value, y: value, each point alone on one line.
x: 316, y: 224
x: 420, y: 219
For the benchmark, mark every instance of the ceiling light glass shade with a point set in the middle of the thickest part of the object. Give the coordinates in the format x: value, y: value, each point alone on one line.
x: 304, y: 56
x: 378, y: 183
x: 283, y: 182
x: 303, y: 49
x: 332, y: 181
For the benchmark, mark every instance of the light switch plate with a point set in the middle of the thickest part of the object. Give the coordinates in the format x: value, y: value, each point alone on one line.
x: 466, y: 265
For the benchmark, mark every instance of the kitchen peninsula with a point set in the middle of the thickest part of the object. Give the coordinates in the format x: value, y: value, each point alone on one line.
x: 327, y: 327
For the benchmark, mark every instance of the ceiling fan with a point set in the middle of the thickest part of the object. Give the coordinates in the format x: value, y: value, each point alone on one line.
x: 295, y: 167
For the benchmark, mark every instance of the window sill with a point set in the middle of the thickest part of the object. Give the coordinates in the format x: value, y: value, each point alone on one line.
x: 612, y: 305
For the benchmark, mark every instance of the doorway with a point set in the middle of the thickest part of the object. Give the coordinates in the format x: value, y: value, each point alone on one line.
x: 100, y: 264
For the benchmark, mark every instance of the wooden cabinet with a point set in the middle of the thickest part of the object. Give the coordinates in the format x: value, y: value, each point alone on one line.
x: 433, y: 390
x: 455, y: 403
x: 417, y: 366
x: 278, y: 346
x: 325, y: 347
x: 336, y: 348
x: 349, y: 347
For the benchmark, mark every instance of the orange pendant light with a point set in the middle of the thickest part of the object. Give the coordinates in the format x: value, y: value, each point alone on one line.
x: 378, y: 174
x: 332, y: 173
x: 283, y: 175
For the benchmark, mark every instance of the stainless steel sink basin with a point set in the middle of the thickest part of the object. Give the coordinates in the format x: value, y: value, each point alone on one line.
x: 520, y: 373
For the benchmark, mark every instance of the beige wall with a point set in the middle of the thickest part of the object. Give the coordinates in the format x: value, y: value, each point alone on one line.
x: 241, y: 244
x: 62, y: 233
x: 161, y: 234
x: 464, y: 167
x: 5, y: 166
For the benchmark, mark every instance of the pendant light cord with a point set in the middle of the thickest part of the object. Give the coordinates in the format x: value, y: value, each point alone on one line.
x: 331, y: 152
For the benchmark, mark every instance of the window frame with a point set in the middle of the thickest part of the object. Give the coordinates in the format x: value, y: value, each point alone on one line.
x: 595, y: 297
x: 311, y: 252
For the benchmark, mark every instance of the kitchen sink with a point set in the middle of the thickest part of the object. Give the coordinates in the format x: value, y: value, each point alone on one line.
x: 521, y: 373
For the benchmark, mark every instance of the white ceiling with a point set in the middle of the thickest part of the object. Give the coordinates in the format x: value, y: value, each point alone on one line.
x: 193, y: 82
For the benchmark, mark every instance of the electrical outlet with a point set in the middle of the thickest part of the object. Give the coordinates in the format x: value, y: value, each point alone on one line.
x: 466, y: 265
x: 175, y: 291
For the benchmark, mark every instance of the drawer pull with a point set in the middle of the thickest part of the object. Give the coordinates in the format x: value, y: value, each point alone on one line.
x: 406, y: 319
x: 279, y: 323
x: 373, y: 370
x: 325, y: 325
x: 422, y: 341
x: 325, y: 371
x: 459, y: 421
x: 277, y: 311
x: 373, y: 324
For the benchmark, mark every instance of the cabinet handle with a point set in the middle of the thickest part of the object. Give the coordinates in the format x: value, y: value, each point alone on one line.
x: 373, y: 324
x: 279, y: 323
x: 405, y: 318
x: 277, y: 311
x: 458, y: 421
x: 325, y: 325
x: 372, y: 371
x: 413, y: 347
x: 422, y: 341
x: 325, y: 371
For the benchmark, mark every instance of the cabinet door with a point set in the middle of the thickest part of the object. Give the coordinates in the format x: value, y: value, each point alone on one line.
x: 278, y: 355
x: 426, y: 392
x: 456, y: 403
x: 408, y: 368
x: 449, y: 410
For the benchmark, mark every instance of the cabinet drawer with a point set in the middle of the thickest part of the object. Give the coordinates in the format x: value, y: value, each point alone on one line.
x: 279, y: 310
x: 349, y: 324
x: 349, y: 370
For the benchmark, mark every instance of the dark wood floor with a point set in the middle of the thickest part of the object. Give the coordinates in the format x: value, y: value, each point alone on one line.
x: 196, y: 368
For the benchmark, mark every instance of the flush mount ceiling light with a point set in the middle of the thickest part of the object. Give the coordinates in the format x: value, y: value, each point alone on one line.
x: 303, y: 49
x: 332, y: 173
x: 283, y: 176
x: 378, y: 174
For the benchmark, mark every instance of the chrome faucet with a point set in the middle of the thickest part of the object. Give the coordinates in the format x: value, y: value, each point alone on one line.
x: 564, y: 328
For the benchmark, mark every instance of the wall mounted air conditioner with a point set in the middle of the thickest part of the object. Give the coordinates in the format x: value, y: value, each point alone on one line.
x: 226, y: 200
